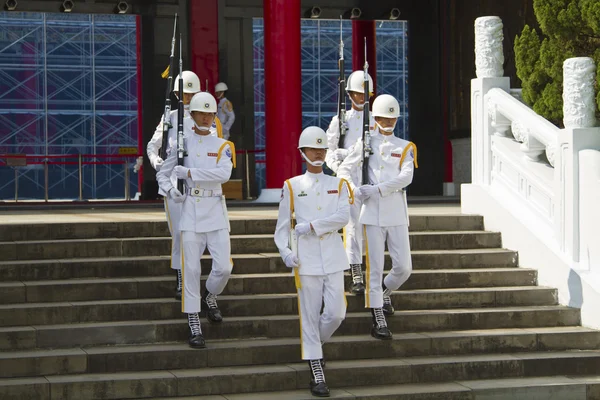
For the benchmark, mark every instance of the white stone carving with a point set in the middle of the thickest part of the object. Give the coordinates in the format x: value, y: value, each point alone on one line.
x: 500, y: 123
x: 579, y: 106
x: 489, y: 56
x: 519, y: 131
x: 551, y: 154
x: 532, y: 147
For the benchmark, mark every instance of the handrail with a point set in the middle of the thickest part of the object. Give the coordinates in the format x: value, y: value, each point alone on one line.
x: 542, y: 129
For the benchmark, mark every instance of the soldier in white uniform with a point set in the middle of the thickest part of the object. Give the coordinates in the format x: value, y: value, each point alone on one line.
x: 191, y: 86
x: 321, y: 205
x: 384, y: 212
x: 225, y: 113
x: 353, y: 237
x: 204, y: 220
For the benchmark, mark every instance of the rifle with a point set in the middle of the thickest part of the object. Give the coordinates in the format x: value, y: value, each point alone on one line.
x: 167, y: 113
x: 366, y: 136
x: 180, y: 148
x: 341, y: 94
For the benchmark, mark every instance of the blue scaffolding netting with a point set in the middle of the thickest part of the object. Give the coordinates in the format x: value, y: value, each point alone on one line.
x: 68, y: 85
x: 320, y: 53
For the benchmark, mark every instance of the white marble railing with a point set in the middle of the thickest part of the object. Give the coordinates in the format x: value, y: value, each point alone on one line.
x: 510, y: 116
x: 545, y: 206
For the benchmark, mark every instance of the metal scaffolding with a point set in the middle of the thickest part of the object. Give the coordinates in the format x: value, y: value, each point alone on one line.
x: 320, y: 41
x: 68, y: 85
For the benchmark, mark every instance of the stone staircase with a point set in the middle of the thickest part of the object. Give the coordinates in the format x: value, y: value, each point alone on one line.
x: 86, y: 312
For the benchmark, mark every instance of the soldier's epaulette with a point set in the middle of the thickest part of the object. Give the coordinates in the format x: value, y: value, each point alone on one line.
x: 232, y: 155
x: 409, y: 146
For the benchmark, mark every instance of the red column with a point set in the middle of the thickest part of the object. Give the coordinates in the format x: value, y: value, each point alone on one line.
x: 282, y: 90
x: 360, y: 30
x: 204, y: 41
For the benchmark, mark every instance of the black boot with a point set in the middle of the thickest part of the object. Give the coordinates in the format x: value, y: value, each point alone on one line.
x: 209, y: 303
x: 318, y: 387
x: 388, y: 307
x: 178, y: 288
x: 379, y: 329
x: 358, y: 286
x: 196, y: 339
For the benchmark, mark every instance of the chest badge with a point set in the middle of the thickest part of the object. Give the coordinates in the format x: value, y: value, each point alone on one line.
x: 397, y: 155
x: 332, y: 192
x: 212, y: 154
x: 302, y: 194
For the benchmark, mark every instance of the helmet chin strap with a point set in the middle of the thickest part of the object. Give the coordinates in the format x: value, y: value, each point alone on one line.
x: 357, y: 105
x: 388, y: 130
x: 313, y: 163
x: 201, y: 128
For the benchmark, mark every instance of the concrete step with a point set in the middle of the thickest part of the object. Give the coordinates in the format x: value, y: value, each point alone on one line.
x: 267, y: 304
x: 117, y: 267
x: 354, y: 373
x: 125, y: 229
x: 240, y: 244
x: 242, y: 284
x: 228, y: 353
x: 551, y: 388
x: 128, y: 324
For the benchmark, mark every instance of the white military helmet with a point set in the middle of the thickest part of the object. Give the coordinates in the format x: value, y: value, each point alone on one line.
x: 191, y: 82
x: 386, y: 106
x: 203, y: 102
x: 220, y: 87
x: 313, y: 137
x: 356, y: 81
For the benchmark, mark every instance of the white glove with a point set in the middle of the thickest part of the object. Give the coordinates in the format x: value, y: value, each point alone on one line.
x: 158, y: 162
x: 302, y: 229
x: 369, y: 191
x: 340, y: 154
x: 176, y: 195
x: 359, y: 195
x: 181, y: 172
x: 138, y: 164
x: 291, y: 261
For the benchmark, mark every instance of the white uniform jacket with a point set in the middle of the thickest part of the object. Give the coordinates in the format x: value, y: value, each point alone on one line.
x: 324, y: 201
x: 155, y: 143
x: 226, y: 114
x: 391, y: 170
x: 210, y: 161
x: 354, y: 119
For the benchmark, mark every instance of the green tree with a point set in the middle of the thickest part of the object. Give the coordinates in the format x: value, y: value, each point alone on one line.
x: 569, y: 28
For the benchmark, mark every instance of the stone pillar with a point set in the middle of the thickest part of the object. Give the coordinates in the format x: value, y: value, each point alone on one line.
x: 579, y: 134
x: 489, y: 60
x: 489, y: 55
x: 579, y: 105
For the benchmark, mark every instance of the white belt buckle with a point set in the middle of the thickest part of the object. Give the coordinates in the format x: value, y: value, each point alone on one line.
x: 197, y: 192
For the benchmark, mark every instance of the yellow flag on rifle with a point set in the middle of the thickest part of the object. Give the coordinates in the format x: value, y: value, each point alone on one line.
x: 165, y: 73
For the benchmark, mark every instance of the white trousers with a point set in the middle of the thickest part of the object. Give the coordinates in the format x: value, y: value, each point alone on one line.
x: 317, y: 328
x: 353, y: 235
x: 399, y: 248
x: 173, y: 211
x: 193, y: 245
